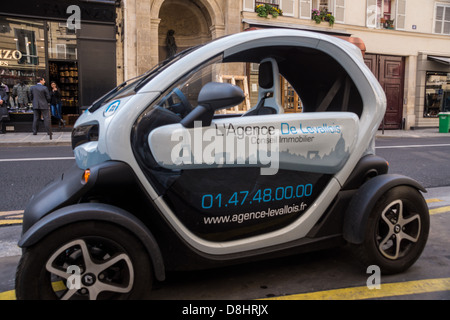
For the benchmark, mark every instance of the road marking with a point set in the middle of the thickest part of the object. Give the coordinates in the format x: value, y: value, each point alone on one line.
x: 10, y: 221
x: 387, y: 290
x: 8, y: 295
x: 37, y: 159
x: 439, y: 210
x: 413, y: 146
x: 7, y: 213
x: 356, y: 293
x: 11, y: 217
x: 433, y: 200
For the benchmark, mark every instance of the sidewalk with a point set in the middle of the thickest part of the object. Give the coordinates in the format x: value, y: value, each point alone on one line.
x: 60, y: 138
x: 26, y: 139
x: 418, y: 133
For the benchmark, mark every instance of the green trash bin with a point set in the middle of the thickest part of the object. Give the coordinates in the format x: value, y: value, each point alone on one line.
x: 444, y: 122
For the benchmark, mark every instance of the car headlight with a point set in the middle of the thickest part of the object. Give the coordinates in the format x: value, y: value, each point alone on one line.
x: 83, y: 134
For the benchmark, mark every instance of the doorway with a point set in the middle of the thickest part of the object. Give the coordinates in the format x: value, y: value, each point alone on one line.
x: 183, y: 24
x: 65, y: 75
x: 389, y: 70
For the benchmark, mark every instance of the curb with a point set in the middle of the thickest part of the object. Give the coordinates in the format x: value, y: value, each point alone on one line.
x: 35, y: 144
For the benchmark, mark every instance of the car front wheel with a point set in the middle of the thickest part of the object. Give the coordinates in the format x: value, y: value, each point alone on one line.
x: 87, y: 260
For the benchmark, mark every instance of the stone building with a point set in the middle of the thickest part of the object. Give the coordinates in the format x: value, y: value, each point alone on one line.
x: 407, y: 41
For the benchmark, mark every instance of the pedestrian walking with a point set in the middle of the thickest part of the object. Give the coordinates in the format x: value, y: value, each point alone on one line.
x: 40, y: 97
x: 55, y: 103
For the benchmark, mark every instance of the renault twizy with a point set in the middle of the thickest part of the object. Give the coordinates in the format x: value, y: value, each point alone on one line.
x: 201, y: 163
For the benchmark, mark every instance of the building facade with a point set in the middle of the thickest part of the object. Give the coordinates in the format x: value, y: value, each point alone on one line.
x: 407, y: 41
x: 71, y: 42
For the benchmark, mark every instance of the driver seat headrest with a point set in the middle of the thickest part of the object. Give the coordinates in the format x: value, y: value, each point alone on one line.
x: 269, y: 91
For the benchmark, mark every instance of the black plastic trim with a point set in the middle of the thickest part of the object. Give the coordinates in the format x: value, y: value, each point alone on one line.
x: 71, y: 187
x: 367, y: 168
x: 364, y: 200
x: 98, y: 212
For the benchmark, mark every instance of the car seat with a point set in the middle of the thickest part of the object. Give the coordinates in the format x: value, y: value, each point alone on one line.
x: 269, y: 92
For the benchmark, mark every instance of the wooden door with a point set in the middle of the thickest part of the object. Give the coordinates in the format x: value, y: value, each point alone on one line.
x: 389, y: 71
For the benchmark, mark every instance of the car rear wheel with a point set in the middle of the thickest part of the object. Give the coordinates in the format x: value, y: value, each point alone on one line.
x: 397, y: 231
x: 86, y: 260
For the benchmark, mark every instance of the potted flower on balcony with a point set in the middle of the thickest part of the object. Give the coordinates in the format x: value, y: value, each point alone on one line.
x: 322, y: 15
x: 264, y: 10
x: 389, y: 24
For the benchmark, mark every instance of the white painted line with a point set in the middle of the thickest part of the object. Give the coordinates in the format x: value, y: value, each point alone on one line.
x: 37, y: 159
x: 413, y: 146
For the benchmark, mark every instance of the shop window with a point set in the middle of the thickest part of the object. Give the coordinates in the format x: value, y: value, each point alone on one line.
x: 22, y: 57
x: 63, y: 64
x: 26, y: 44
x: 437, y: 94
x: 62, y: 42
x: 289, y: 98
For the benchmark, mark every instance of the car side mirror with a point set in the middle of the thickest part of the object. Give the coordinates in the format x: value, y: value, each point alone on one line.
x: 212, y: 97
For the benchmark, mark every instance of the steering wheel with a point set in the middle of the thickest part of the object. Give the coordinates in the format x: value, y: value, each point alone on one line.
x: 183, y: 107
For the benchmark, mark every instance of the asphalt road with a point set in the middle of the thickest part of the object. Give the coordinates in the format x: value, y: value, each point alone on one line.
x: 424, y: 159
x: 23, y: 174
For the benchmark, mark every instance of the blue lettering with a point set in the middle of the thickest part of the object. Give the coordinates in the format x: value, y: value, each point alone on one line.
x: 282, y: 130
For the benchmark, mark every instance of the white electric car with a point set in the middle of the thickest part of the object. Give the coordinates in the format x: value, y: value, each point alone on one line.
x: 180, y: 169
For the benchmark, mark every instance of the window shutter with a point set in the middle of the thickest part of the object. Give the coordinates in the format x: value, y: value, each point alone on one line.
x: 442, y: 19
x: 400, y: 21
x: 339, y: 10
x: 288, y: 7
x: 439, y: 19
x: 249, y: 5
x: 305, y: 9
x: 371, y: 14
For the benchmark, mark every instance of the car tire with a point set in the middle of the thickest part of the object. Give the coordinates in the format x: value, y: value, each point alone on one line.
x: 106, y: 262
x: 396, y: 232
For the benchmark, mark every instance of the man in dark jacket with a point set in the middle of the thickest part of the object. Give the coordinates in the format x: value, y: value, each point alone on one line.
x: 40, y: 96
x: 3, y: 110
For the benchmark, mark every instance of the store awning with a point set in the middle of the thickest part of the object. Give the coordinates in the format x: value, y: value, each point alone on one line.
x: 443, y: 60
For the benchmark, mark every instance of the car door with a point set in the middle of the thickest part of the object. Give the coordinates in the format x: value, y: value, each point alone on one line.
x: 243, y: 176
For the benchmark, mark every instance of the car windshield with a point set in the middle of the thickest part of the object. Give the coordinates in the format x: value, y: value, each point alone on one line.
x: 133, y: 85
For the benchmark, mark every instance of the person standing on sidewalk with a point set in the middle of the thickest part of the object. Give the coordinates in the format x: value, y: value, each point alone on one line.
x: 56, y: 104
x: 3, y: 111
x: 40, y: 97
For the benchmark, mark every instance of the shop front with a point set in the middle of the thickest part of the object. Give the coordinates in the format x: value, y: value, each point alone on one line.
x: 433, y: 88
x: 35, y: 41
x: 437, y: 93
